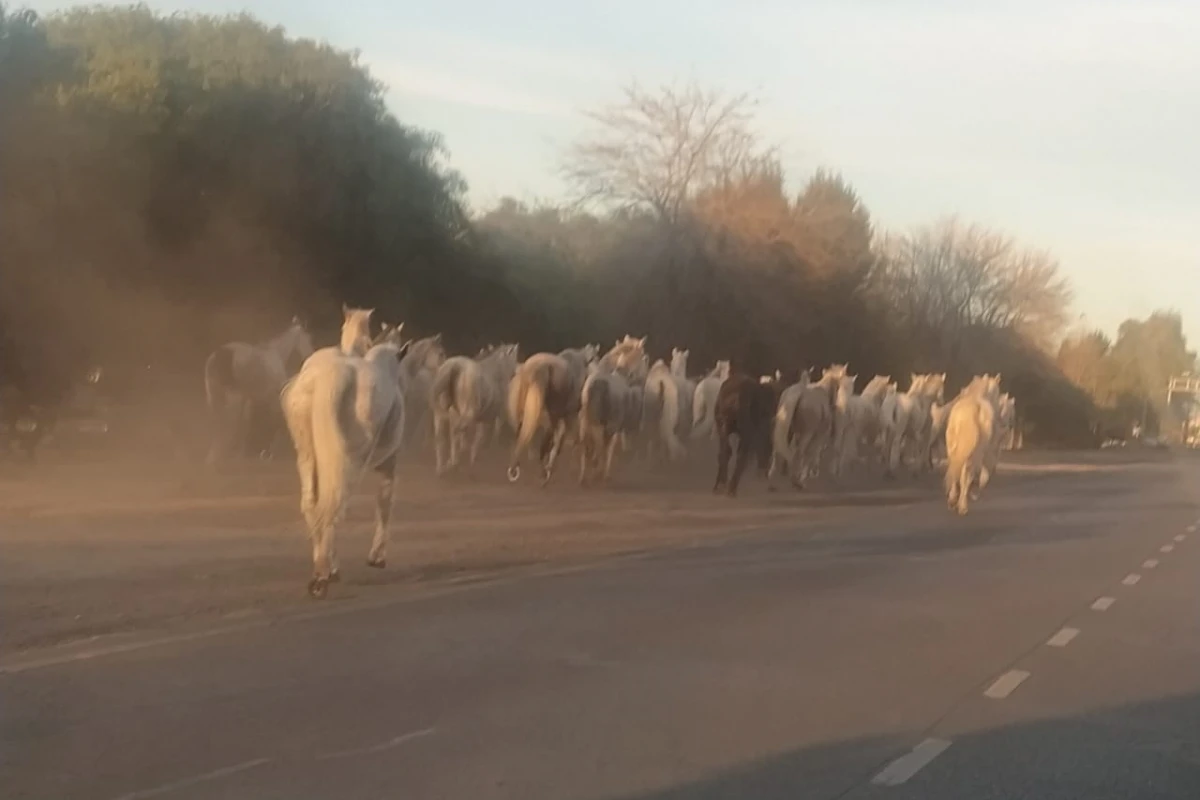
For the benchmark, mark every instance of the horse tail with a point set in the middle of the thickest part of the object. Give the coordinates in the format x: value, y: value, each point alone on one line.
x: 701, y: 420
x: 332, y: 401
x: 443, y: 389
x: 516, y: 399
x: 668, y: 422
x: 531, y: 401
x: 596, y: 406
x: 218, y: 376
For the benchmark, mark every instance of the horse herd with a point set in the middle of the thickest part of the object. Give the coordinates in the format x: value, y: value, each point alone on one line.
x: 350, y: 408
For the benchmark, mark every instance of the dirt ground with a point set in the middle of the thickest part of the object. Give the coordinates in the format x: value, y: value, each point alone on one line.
x: 99, y: 543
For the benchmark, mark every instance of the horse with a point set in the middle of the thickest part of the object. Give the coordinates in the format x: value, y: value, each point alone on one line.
x: 610, y: 405
x: 420, y: 364
x: 468, y: 394
x: 802, y: 435
x: 906, y: 420
x: 356, y: 330
x: 1005, y: 419
x: 743, y: 408
x: 242, y: 381
x: 546, y: 390
x: 345, y: 414
x: 970, y: 431
x: 704, y: 400
x: 389, y: 333
x: 666, y: 402
x: 781, y: 426
x: 860, y: 419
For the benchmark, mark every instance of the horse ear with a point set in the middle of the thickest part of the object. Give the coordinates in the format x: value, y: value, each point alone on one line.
x: 369, y: 311
x: 402, y: 350
x: 345, y: 310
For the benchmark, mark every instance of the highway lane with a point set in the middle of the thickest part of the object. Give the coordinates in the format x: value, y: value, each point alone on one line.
x: 855, y: 660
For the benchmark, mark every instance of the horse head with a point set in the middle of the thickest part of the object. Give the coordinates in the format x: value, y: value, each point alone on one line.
x: 356, y: 330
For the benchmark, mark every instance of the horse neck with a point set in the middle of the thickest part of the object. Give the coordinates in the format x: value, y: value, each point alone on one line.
x: 873, y: 393
x: 414, y: 360
x: 285, y: 344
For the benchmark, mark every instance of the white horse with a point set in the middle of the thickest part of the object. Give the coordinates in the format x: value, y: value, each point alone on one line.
x: 356, y: 330
x: 907, y: 421
x: 970, y: 430
x: 346, y: 415
x: 420, y: 364
x: 545, y: 392
x: 610, y: 405
x: 242, y: 381
x: 803, y: 427
x: 1005, y: 420
x: 468, y: 395
x: 860, y: 422
x: 666, y: 409
x: 704, y: 401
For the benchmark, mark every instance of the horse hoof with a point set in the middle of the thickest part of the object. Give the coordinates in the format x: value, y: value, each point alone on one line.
x: 514, y: 474
x: 318, y: 587
x: 335, y: 577
x: 377, y: 563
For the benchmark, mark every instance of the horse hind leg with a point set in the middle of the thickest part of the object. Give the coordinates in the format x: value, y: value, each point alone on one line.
x: 724, y: 452
x: 383, y: 513
x: 739, y: 466
x: 555, y: 442
x: 479, y: 432
x: 441, y: 431
x: 964, y: 489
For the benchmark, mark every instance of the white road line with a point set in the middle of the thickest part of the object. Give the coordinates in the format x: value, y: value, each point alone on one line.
x: 910, y: 763
x: 1150, y: 563
x: 1063, y: 637
x: 1103, y: 603
x: 1191, y: 528
x: 195, y: 779
x: 1180, y: 537
x: 1166, y: 548
x: 395, y: 741
x: 1131, y: 579
x: 1006, y: 683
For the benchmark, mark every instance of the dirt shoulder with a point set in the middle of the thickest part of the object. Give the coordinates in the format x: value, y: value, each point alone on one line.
x: 119, y: 546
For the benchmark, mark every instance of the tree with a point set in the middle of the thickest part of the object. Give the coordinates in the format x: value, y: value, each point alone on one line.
x: 1085, y: 360
x: 657, y: 150
x: 948, y: 278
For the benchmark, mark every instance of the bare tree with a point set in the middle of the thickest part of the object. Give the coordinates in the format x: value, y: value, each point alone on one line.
x: 656, y: 150
x: 948, y: 278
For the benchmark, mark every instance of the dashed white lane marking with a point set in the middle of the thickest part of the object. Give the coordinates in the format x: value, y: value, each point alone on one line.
x: 1006, y: 683
x: 1063, y: 637
x: 1166, y: 548
x: 1103, y: 603
x: 1179, y: 537
x: 195, y: 779
x: 1131, y: 579
x: 395, y: 741
x: 1191, y: 528
x: 910, y: 763
x: 1150, y: 563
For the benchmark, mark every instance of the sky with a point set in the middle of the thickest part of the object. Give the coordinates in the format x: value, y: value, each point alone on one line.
x: 1070, y: 124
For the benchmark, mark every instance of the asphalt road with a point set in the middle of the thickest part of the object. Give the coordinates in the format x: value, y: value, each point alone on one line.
x: 895, y: 653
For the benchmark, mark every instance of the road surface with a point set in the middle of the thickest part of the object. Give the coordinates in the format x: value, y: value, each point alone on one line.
x: 1047, y: 646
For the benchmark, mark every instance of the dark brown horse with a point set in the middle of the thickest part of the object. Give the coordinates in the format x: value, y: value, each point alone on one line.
x: 745, y: 407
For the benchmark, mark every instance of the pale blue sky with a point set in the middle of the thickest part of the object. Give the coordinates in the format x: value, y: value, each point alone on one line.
x: 1072, y: 124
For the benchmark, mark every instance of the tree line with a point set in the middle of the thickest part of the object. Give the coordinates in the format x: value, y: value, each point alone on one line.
x: 172, y: 182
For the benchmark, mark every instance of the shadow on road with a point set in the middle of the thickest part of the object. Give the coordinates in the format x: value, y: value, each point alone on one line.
x: 1148, y: 751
